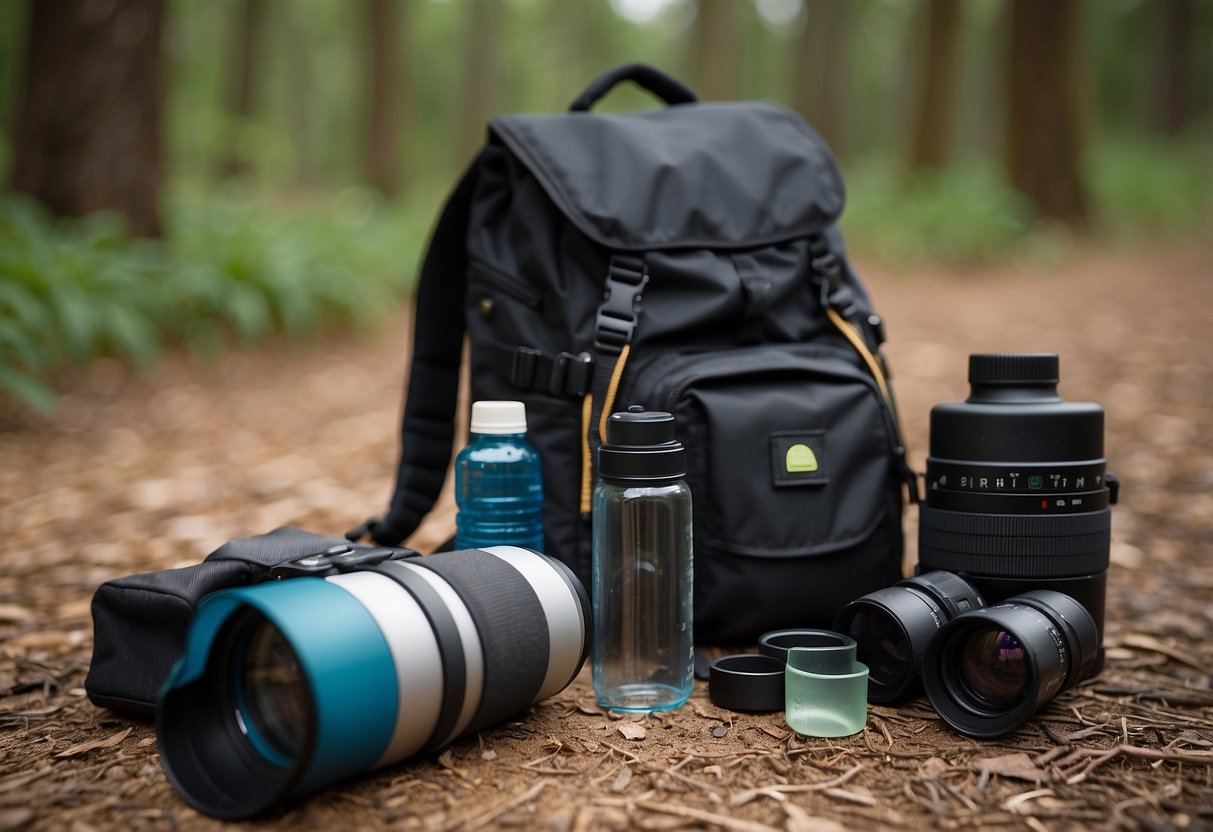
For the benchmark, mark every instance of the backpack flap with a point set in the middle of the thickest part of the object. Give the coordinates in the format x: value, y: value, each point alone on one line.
x: 718, y: 176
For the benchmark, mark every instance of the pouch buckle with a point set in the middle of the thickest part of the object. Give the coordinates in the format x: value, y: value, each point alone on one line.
x: 338, y: 559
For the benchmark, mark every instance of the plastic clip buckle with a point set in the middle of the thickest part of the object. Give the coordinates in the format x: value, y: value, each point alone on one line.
x: 617, y: 314
x: 571, y: 374
x: 522, y: 366
x: 337, y: 559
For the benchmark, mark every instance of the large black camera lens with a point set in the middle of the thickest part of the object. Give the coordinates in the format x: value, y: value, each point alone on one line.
x: 1017, y: 488
x: 987, y: 671
x: 893, y: 626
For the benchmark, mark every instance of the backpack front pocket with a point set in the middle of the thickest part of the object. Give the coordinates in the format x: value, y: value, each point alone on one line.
x: 791, y: 464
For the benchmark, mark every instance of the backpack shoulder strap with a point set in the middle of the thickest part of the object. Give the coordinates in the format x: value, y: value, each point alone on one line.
x: 427, y: 429
x: 864, y: 331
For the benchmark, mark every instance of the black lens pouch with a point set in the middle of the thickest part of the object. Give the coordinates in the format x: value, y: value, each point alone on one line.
x: 140, y: 621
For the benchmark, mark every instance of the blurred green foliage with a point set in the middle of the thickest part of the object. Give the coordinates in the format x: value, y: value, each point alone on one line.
x: 1150, y: 187
x: 961, y: 214
x: 967, y: 214
x: 233, y: 267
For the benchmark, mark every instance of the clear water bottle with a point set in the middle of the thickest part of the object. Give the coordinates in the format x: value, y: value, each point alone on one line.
x: 643, y: 647
x: 498, y: 481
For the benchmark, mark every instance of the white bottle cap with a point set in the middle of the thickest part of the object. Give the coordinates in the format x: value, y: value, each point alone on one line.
x: 498, y: 417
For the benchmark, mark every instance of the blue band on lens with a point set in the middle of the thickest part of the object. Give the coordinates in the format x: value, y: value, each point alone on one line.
x: 349, y: 668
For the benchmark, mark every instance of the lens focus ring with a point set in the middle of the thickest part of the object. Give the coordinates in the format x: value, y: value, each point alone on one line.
x: 1015, y: 546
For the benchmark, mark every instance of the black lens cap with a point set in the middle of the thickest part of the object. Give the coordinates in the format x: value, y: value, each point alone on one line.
x: 747, y: 682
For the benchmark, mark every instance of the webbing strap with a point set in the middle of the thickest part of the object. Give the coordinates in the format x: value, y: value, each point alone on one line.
x: 616, y: 320
x: 865, y: 336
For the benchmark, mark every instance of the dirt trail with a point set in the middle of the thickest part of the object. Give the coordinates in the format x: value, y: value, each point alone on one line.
x: 138, y: 473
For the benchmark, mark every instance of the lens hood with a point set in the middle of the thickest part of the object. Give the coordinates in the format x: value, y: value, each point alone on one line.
x: 214, y: 760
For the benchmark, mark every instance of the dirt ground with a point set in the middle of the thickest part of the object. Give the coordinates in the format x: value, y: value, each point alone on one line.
x: 140, y: 473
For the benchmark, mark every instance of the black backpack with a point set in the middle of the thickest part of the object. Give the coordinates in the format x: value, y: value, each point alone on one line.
x: 684, y: 259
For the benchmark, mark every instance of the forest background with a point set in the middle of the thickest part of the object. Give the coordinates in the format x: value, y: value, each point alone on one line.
x: 270, y: 167
x: 234, y: 195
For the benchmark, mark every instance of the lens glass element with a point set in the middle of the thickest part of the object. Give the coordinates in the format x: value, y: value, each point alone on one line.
x: 882, y: 645
x: 272, y: 699
x: 994, y: 668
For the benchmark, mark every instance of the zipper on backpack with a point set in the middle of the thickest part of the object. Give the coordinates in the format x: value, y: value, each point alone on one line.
x: 513, y: 286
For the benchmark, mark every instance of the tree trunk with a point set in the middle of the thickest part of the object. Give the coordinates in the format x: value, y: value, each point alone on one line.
x: 1173, y: 88
x: 242, y: 85
x: 716, y: 50
x: 935, y: 92
x: 1044, y: 140
x: 383, y: 144
x: 821, y: 75
x: 302, y: 92
x: 480, y: 83
x: 580, y: 29
x: 88, y: 131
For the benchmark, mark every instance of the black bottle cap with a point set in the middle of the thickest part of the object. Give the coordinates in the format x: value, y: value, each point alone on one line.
x: 640, y: 447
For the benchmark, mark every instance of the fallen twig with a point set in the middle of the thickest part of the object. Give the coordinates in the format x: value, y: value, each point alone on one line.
x: 497, y: 811
x: 768, y: 791
x: 707, y: 817
x: 1141, y: 641
x: 843, y: 794
x: 1098, y: 757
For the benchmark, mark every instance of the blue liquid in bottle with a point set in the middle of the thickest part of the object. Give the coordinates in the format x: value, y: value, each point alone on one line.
x: 498, y: 481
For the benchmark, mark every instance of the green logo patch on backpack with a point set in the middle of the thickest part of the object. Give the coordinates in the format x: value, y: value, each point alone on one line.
x: 798, y: 458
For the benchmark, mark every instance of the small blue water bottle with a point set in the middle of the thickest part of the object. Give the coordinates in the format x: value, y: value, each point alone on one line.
x: 498, y: 481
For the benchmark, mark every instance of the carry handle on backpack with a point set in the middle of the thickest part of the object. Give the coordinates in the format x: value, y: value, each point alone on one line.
x: 668, y: 89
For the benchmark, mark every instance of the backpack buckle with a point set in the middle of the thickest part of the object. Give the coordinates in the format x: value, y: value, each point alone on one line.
x: 827, y: 274
x: 522, y: 369
x: 571, y: 374
x: 620, y: 307
x: 564, y: 375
